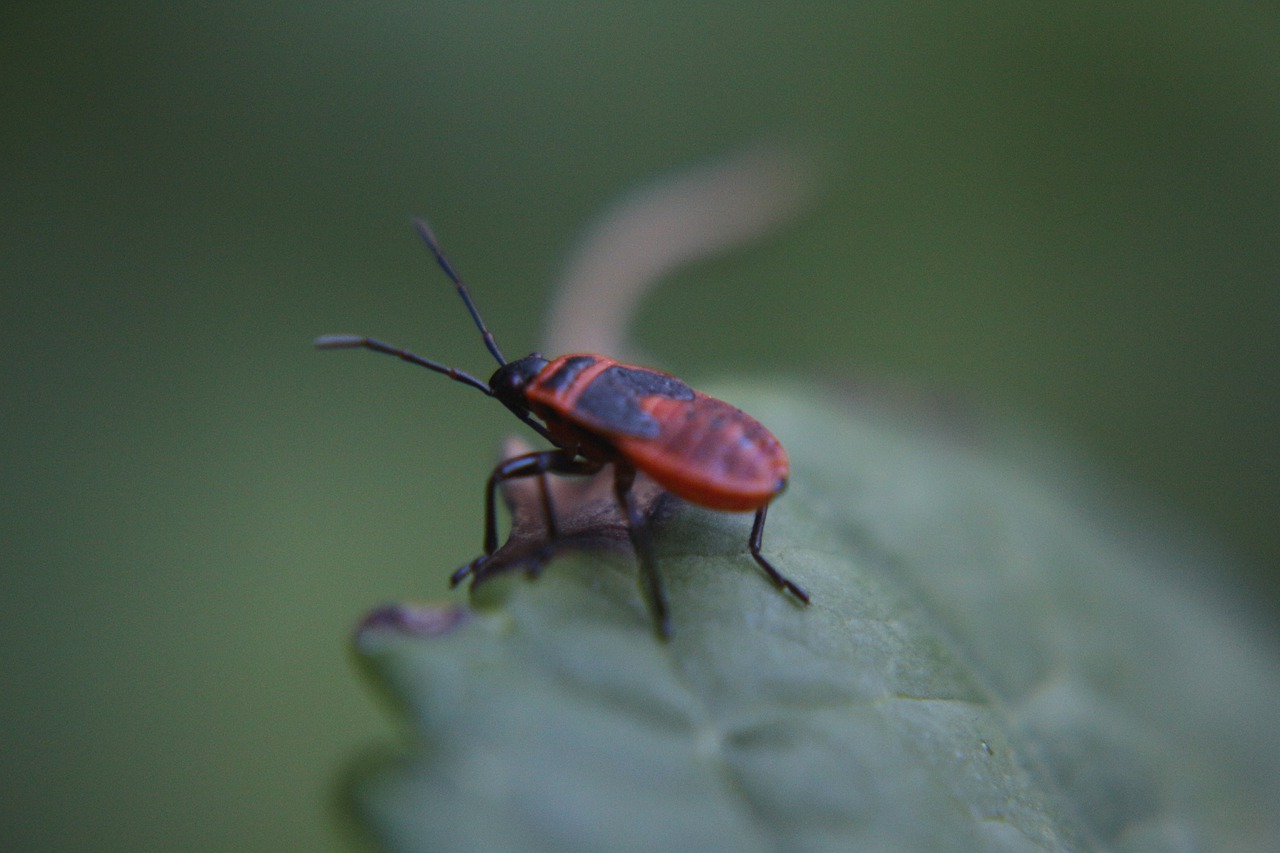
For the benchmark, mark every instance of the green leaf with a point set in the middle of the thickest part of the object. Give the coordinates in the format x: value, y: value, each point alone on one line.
x: 995, y: 659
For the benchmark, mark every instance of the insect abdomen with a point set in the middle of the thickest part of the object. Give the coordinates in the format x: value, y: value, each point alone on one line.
x: 710, y: 454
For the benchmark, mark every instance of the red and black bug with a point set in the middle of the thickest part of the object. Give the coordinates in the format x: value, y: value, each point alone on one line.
x: 597, y: 412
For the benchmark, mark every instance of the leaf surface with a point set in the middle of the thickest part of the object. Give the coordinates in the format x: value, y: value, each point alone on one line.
x: 995, y: 659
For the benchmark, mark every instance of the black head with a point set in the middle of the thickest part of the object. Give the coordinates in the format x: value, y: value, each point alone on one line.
x: 509, y: 382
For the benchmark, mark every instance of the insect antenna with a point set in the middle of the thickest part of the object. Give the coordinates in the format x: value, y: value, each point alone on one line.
x: 434, y: 245
x: 361, y: 342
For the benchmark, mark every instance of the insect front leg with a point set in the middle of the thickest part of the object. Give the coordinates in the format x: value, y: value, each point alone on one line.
x: 536, y: 464
x: 650, y: 581
x: 779, y: 580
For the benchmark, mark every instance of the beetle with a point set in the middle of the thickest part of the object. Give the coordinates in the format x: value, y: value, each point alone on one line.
x: 596, y: 411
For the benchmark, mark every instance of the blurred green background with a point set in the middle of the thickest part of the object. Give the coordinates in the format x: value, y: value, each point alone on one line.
x: 1067, y: 212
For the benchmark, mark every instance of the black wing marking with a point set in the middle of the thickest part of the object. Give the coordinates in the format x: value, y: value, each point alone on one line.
x: 567, y: 372
x: 613, y: 399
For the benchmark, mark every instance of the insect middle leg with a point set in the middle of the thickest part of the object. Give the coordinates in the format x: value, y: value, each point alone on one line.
x: 755, y: 542
x: 650, y: 581
x: 537, y: 464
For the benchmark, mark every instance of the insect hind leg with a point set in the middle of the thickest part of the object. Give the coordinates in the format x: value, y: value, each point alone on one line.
x: 782, y: 582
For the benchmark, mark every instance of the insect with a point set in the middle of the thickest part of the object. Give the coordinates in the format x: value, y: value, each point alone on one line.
x: 596, y: 412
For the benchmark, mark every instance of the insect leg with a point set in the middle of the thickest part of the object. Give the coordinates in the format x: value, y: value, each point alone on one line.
x: 536, y: 464
x: 779, y: 580
x: 650, y: 580
x: 569, y: 466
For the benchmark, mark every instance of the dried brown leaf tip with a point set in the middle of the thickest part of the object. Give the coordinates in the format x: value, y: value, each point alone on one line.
x: 586, y: 512
x: 425, y: 620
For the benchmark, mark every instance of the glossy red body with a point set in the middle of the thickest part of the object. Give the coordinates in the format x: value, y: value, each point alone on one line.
x: 694, y: 446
